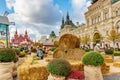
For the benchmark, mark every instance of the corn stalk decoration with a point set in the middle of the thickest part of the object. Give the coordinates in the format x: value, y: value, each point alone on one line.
x: 113, y: 35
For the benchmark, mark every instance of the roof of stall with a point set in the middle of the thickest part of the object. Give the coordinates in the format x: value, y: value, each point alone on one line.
x: 4, y: 20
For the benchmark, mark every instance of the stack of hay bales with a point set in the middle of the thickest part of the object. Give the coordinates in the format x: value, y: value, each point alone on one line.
x: 69, y: 41
x: 116, y: 64
x: 108, y: 58
x: 69, y: 48
x: 29, y: 71
x: 56, y: 43
x: 105, y: 69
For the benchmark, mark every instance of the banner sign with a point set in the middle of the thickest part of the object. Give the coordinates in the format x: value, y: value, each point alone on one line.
x: 3, y: 36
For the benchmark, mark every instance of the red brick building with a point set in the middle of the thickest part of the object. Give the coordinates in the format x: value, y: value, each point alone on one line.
x: 18, y: 39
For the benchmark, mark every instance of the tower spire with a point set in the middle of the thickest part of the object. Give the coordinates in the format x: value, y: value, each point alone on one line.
x: 16, y: 31
x: 62, y: 25
x: 26, y: 32
x: 67, y: 18
x: 62, y: 20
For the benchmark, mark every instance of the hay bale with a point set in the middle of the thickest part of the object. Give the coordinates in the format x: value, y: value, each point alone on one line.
x: 76, y: 65
x: 56, y: 43
x: 105, y: 68
x: 69, y: 41
x: 32, y: 72
x: 108, y: 60
x: 69, y: 54
x: 58, y: 53
x: 116, y: 64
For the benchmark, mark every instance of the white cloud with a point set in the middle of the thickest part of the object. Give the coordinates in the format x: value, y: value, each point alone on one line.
x: 79, y: 8
x: 10, y: 3
x: 39, y: 16
x: 12, y: 30
x: 78, y: 4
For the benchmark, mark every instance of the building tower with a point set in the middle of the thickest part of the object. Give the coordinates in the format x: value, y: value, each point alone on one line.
x: 26, y: 34
x: 62, y: 25
x: 67, y: 19
x: 16, y: 34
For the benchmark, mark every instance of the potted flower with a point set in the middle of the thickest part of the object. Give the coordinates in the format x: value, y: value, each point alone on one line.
x: 86, y: 49
x: 75, y: 75
x: 92, y: 65
x: 33, y: 52
x: 109, y: 52
x: 58, y: 69
x: 7, y: 56
x: 116, y: 56
x: 17, y: 50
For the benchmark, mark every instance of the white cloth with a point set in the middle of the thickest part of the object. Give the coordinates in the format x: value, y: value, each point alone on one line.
x: 97, y: 49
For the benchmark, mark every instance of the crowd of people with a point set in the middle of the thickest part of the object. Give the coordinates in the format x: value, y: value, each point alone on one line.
x: 98, y: 48
x: 40, y: 51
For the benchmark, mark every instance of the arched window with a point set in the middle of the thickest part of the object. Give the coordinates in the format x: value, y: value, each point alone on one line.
x: 118, y: 27
x: 117, y: 13
x: 96, y: 38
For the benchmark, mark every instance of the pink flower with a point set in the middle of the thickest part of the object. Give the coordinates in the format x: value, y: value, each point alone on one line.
x: 76, y: 75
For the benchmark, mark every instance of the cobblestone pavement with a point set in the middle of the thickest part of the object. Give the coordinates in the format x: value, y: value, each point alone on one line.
x: 113, y: 77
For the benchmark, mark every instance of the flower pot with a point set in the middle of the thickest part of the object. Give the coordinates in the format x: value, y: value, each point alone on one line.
x: 21, y: 60
x: 6, y: 70
x: 55, y: 77
x: 116, y: 58
x: 74, y: 79
x: 93, y: 73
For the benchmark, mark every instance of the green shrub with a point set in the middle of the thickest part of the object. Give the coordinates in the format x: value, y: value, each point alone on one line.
x: 7, y: 55
x: 116, y: 53
x: 53, y: 48
x: 109, y: 51
x: 26, y: 51
x: 59, y: 67
x: 86, y: 49
x: 93, y: 58
x: 17, y: 50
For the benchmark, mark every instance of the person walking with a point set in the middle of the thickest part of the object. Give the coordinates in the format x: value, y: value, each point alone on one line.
x: 97, y: 48
x: 40, y: 53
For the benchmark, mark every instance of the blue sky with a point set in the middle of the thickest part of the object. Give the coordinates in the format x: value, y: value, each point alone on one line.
x: 4, y: 8
x: 65, y: 5
x: 40, y: 17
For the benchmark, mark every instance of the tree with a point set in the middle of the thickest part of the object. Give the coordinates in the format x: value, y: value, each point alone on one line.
x: 96, y: 38
x: 85, y: 39
x: 52, y: 34
x: 113, y: 35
